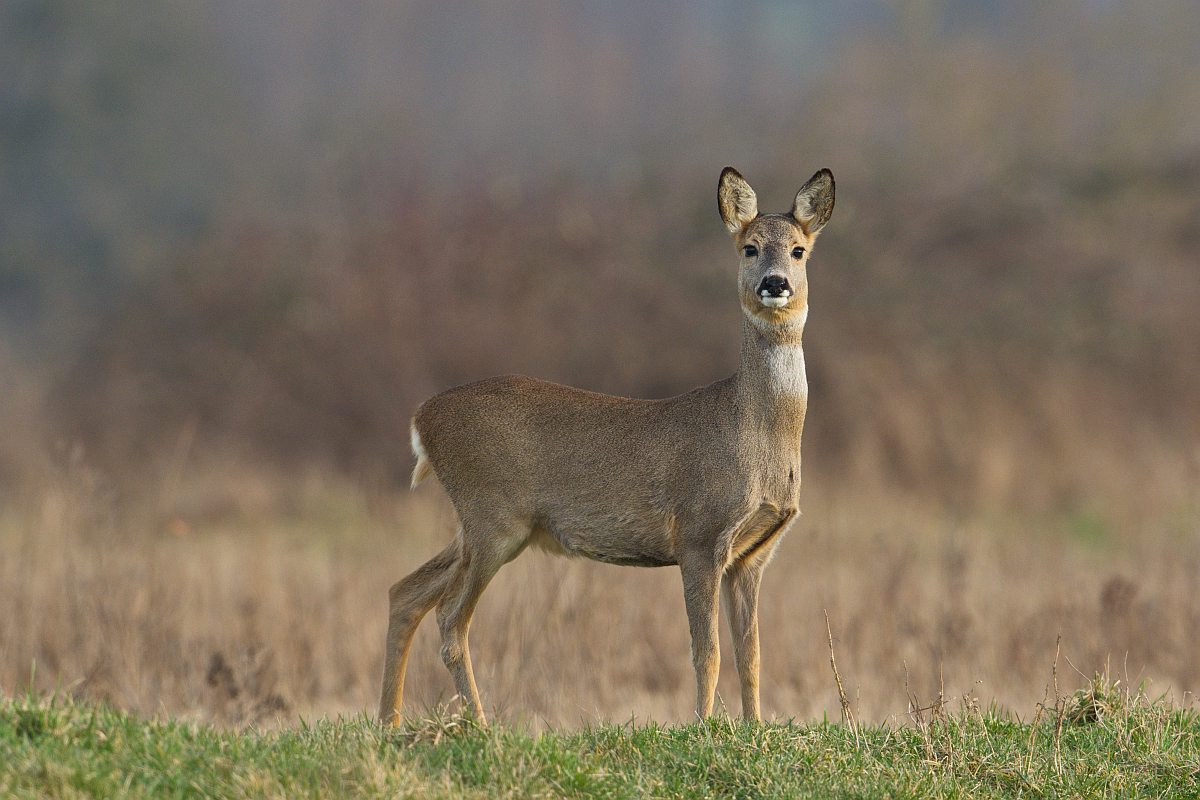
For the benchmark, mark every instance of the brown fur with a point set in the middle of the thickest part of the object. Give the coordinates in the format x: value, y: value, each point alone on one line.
x: 708, y: 480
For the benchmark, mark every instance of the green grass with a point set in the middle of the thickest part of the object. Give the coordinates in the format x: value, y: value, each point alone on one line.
x: 1099, y: 742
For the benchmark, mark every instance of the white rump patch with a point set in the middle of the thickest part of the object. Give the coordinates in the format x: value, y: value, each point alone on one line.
x: 423, y: 469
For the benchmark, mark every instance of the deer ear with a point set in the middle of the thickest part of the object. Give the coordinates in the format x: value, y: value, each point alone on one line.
x: 814, y: 202
x: 736, y: 200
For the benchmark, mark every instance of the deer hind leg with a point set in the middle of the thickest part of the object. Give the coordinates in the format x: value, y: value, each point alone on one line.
x: 701, y: 584
x: 486, y: 548
x: 741, y: 584
x: 409, y: 600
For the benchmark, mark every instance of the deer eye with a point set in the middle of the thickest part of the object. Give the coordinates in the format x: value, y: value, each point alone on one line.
x: 797, y: 252
x: 750, y: 251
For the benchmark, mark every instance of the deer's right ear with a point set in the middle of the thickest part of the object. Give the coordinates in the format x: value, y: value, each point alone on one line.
x: 736, y: 200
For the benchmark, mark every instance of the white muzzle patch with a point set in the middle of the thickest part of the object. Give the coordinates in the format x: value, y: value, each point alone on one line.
x: 772, y: 301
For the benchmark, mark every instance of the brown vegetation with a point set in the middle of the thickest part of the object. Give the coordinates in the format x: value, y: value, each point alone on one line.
x: 277, y: 608
x: 970, y: 351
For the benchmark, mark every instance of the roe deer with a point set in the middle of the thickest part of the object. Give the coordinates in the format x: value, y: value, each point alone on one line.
x: 708, y: 480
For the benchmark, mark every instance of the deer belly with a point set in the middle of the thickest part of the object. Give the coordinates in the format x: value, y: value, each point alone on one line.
x: 631, y: 540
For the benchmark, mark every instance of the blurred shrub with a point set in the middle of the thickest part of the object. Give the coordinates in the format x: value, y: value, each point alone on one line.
x: 366, y: 203
x: 1022, y: 342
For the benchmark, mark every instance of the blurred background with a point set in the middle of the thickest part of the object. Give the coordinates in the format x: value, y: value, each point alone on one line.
x: 239, y: 242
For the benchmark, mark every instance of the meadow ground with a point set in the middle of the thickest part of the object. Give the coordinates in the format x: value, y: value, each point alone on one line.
x: 243, y: 606
x: 1098, y: 742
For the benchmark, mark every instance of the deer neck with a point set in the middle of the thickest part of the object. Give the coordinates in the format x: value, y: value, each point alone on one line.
x: 771, y: 380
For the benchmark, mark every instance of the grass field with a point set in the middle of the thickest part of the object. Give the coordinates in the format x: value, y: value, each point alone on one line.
x: 1101, y: 741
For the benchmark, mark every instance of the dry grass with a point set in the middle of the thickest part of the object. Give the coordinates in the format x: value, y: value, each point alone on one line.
x: 253, y: 608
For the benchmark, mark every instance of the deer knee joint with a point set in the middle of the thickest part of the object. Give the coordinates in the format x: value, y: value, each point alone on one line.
x: 452, y: 654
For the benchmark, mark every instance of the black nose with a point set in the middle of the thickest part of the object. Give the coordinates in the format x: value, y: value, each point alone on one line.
x: 774, y: 286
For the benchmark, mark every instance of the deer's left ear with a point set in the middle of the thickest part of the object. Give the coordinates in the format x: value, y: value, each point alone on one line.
x: 814, y: 202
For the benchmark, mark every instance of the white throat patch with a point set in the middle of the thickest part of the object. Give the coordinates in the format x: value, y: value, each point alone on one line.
x: 785, y: 370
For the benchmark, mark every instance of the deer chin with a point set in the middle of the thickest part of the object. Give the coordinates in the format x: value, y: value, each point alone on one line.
x: 777, y: 319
